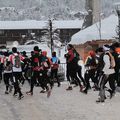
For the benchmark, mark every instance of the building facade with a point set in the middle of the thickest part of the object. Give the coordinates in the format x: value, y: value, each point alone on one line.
x: 83, y: 49
x: 23, y: 31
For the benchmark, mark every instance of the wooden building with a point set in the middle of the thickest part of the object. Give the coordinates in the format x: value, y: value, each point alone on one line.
x: 25, y: 30
x: 83, y: 49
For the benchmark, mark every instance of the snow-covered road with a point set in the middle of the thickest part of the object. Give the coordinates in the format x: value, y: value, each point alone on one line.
x: 62, y: 105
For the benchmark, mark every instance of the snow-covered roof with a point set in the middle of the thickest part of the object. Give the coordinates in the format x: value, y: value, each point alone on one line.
x: 33, y: 24
x: 68, y: 24
x: 27, y: 24
x: 108, y: 31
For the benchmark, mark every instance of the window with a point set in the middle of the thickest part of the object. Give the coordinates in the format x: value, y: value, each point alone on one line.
x: 1, y: 32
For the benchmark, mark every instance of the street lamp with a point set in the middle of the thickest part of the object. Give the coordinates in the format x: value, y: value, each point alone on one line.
x: 117, y: 7
x: 33, y: 35
x: 23, y: 37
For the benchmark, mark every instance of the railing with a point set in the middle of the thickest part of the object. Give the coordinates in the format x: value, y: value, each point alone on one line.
x: 62, y: 71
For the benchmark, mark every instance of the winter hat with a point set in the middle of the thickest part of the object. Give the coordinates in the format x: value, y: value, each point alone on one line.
x: 32, y: 53
x: 54, y: 54
x: 106, y: 47
x: 44, y: 53
x: 36, y: 48
x: 69, y: 46
x: 14, y: 50
x: 92, y: 53
x: 24, y: 52
x: 116, y: 44
x: 117, y: 50
x: 6, y: 54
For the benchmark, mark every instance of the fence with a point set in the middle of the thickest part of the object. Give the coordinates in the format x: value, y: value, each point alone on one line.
x: 62, y: 71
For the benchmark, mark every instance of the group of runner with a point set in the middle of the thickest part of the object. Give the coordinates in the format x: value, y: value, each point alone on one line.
x: 17, y: 67
x: 101, y: 66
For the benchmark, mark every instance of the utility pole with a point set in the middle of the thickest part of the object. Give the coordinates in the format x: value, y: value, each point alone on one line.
x: 51, y: 38
x: 118, y: 12
x: 117, y: 7
x: 93, y: 8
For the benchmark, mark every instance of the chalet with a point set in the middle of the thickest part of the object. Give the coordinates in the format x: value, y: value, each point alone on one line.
x: 24, y: 30
x: 83, y: 49
x: 91, y: 38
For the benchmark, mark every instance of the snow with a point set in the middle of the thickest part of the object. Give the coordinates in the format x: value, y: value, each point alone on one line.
x: 108, y: 27
x: 33, y: 24
x: 117, y: 4
x: 44, y: 47
x: 27, y: 24
x: 31, y: 41
x: 62, y: 105
x: 29, y: 48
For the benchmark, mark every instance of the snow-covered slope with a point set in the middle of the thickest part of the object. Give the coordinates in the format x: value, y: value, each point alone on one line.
x: 108, y: 31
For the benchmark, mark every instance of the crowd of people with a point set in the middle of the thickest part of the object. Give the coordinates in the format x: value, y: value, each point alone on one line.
x: 101, y: 66
x: 17, y: 67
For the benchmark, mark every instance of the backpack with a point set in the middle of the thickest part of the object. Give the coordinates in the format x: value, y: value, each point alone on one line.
x: 16, y: 61
x: 46, y: 63
x: 36, y: 61
x: 101, y: 63
x: 90, y: 61
x: 7, y: 65
x: 112, y: 60
x: 55, y: 63
x: 76, y: 55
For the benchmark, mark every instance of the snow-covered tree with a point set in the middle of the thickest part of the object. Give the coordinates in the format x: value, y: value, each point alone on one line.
x: 43, y: 9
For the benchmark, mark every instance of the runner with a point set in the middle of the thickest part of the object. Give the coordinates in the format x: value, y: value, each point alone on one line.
x: 16, y: 59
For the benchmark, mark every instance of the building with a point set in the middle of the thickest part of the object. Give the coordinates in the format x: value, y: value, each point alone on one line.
x: 83, y: 49
x: 31, y: 29
x: 90, y: 38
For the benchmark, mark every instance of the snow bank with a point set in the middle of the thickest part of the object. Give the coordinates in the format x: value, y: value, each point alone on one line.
x: 44, y: 47
x: 108, y: 27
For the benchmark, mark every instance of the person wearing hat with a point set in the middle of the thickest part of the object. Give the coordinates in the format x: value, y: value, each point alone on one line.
x: 54, y: 68
x: 7, y: 73
x: 116, y: 54
x: 36, y: 65
x: 72, y: 67
x: 16, y: 60
x: 90, y: 65
x: 45, y: 79
x: 105, y: 67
